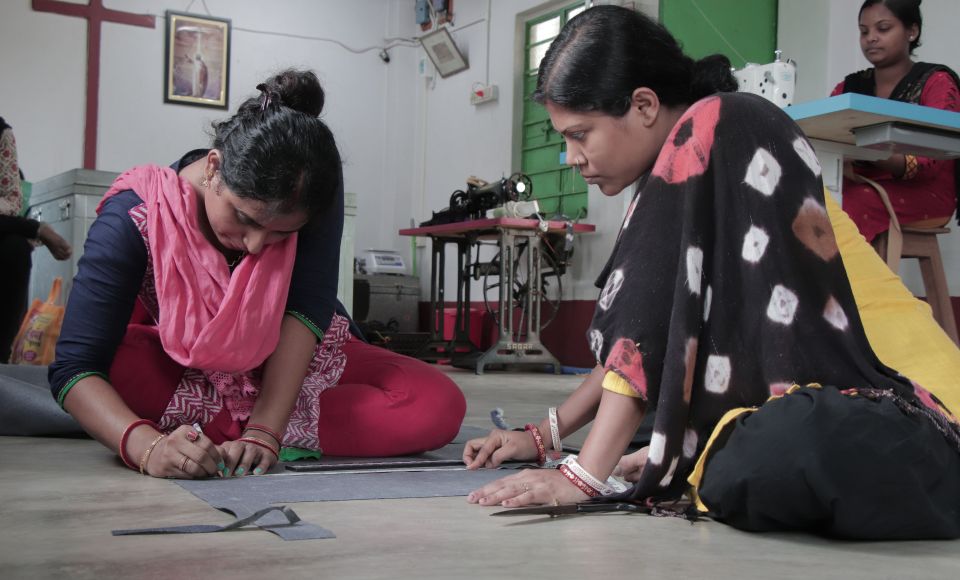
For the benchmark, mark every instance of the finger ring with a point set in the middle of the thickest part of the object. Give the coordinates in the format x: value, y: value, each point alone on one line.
x: 192, y: 436
x: 183, y: 464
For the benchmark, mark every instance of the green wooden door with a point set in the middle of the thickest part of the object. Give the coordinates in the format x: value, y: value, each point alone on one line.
x: 744, y: 30
x: 558, y: 187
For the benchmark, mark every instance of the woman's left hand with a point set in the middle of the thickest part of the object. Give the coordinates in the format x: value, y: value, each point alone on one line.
x: 244, y: 458
x: 529, y: 487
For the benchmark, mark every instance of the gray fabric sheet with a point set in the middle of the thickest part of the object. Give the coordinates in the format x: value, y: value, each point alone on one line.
x: 449, y: 455
x: 27, y: 408
x: 245, y: 495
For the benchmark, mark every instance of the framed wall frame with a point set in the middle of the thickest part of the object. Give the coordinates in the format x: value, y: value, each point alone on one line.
x: 197, y: 63
x: 443, y: 52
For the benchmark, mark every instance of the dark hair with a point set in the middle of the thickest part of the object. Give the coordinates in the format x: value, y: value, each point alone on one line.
x: 906, y: 11
x: 606, y: 52
x: 276, y: 150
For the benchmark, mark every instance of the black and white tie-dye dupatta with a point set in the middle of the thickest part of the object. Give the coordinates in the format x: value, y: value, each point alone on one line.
x: 726, y: 284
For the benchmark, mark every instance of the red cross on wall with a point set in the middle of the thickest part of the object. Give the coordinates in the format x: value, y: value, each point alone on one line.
x: 95, y: 14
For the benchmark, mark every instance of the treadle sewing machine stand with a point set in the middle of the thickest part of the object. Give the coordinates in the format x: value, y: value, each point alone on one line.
x: 460, y: 345
x: 511, y: 233
x: 507, y: 350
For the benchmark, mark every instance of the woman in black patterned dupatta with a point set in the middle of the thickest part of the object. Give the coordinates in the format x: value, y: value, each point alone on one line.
x: 725, y: 289
x: 922, y: 191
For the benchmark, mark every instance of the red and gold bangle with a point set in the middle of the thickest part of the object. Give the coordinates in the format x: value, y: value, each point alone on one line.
x: 264, y: 429
x: 575, y: 480
x: 574, y: 466
x: 126, y: 435
x: 260, y: 443
x: 538, y: 439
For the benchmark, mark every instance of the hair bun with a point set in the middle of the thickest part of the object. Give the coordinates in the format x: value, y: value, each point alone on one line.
x: 712, y: 74
x: 299, y: 90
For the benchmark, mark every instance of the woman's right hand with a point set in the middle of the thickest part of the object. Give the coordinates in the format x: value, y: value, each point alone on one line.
x: 178, y: 455
x: 497, y: 447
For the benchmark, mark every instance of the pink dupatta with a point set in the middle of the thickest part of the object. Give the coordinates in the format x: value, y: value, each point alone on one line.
x: 209, y: 319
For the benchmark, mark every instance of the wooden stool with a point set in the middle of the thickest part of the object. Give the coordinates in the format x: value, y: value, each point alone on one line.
x: 917, y: 240
x: 922, y: 244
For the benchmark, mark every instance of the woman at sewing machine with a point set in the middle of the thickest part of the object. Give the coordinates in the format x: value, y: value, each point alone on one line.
x: 726, y: 312
x: 923, y: 192
x: 203, y: 333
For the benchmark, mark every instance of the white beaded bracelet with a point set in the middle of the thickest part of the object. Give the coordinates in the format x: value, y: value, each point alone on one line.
x: 555, y: 431
x: 574, y: 466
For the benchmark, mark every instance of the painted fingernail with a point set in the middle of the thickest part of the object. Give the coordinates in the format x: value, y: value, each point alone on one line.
x: 258, y: 471
x: 239, y: 471
x: 221, y: 466
x: 226, y: 472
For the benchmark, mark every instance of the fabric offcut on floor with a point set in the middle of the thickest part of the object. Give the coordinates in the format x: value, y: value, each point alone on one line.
x: 292, y: 519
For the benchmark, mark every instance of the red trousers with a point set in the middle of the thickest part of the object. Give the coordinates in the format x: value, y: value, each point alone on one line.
x: 385, y: 403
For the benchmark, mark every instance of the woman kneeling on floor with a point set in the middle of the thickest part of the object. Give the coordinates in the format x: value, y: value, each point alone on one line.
x: 726, y: 311
x: 206, y: 297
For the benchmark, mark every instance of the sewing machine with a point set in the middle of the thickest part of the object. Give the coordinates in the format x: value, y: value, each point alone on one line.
x: 481, y: 196
x: 775, y: 81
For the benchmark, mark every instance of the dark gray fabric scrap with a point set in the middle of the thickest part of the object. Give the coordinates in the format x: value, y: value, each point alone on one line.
x: 27, y: 408
x: 291, y: 521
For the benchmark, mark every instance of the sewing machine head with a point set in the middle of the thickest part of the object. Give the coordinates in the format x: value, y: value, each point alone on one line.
x: 775, y: 81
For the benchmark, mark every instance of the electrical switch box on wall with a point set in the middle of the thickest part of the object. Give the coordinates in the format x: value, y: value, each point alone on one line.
x: 483, y: 94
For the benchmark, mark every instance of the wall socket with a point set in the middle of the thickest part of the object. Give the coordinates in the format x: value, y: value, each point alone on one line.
x: 483, y: 94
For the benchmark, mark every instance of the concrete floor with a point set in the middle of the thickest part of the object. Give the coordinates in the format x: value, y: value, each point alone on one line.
x: 60, y: 498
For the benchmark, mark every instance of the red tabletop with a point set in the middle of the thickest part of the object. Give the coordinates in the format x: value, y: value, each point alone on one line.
x: 493, y: 224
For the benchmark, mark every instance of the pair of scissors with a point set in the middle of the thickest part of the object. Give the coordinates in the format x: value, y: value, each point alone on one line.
x: 577, y: 508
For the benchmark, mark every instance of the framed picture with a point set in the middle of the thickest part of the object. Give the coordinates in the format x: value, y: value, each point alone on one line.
x: 443, y: 52
x: 197, y: 70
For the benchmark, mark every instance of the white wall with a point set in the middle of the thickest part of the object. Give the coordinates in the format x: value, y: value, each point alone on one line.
x: 822, y: 36
x: 407, y: 141
x: 43, y: 62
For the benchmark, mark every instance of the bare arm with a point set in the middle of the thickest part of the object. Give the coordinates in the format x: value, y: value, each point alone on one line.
x: 283, y: 375
x: 103, y: 414
x: 617, y: 421
x: 895, y: 165
x: 578, y: 410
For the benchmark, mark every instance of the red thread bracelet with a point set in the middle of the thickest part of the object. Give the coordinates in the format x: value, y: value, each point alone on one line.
x: 260, y: 443
x: 264, y: 429
x: 538, y: 439
x: 126, y: 435
x: 575, y: 480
